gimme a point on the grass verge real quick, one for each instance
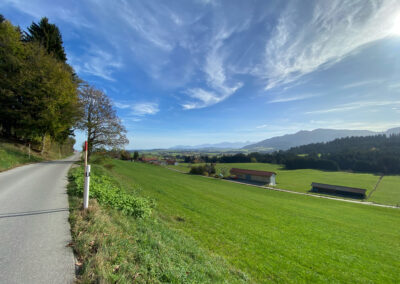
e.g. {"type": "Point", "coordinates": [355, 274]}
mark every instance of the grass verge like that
{"type": "Point", "coordinates": [13, 155]}
{"type": "Point", "coordinates": [116, 247]}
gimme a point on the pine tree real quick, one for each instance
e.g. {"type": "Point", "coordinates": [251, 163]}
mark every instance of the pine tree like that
{"type": "Point", "coordinates": [49, 36]}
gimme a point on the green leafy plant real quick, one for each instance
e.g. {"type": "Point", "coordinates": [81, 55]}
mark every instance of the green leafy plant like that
{"type": "Point", "coordinates": [109, 193]}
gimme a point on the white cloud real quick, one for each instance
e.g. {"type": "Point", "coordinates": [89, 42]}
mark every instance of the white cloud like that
{"type": "Point", "coordinates": [355, 105]}
{"type": "Point", "coordinates": [332, 30]}
{"type": "Point", "coordinates": [59, 12]}
{"type": "Point", "coordinates": [262, 126]}
{"type": "Point", "coordinates": [121, 105]}
{"type": "Point", "coordinates": [293, 98]}
{"type": "Point", "coordinates": [215, 72]}
{"type": "Point", "coordinates": [394, 86]}
{"type": "Point", "coordinates": [97, 63]}
{"type": "Point", "coordinates": [141, 109]}
{"type": "Point", "coordinates": [363, 83]}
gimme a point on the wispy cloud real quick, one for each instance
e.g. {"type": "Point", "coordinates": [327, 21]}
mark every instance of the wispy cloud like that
{"type": "Point", "coordinates": [333, 29]}
{"type": "Point", "coordinates": [262, 126]}
{"type": "Point", "coordinates": [146, 108]}
{"type": "Point", "coordinates": [284, 99]}
{"type": "Point", "coordinates": [61, 12]}
{"type": "Point", "coordinates": [215, 73]}
{"type": "Point", "coordinates": [137, 110]}
{"type": "Point", "coordinates": [362, 83]}
{"type": "Point", "coordinates": [355, 105]}
{"type": "Point", "coordinates": [121, 105]}
{"type": "Point", "coordinates": [96, 63]}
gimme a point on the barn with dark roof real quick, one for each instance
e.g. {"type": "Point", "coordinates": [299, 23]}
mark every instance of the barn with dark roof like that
{"type": "Point", "coordinates": [255, 176]}
{"type": "Point", "coordinates": [339, 190]}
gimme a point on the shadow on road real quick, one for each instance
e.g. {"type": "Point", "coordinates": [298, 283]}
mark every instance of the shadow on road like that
{"type": "Point", "coordinates": [29, 213]}
{"type": "Point", "coordinates": [59, 162]}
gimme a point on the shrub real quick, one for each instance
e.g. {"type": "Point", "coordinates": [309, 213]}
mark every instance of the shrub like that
{"type": "Point", "coordinates": [108, 192]}
{"type": "Point", "coordinates": [197, 170]}
{"type": "Point", "coordinates": [125, 155]}
{"type": "Point", "coordinates": [207, 169]}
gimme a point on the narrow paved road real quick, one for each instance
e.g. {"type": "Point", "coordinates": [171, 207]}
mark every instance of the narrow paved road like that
{"type": "Point", "coordinates": [34, 228]}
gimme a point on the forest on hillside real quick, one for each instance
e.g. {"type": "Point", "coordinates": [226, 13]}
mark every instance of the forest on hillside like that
{"type": "Point", "coordinates": [43, 100]}
{"type": "Point", "coordinates": [38, 89]}
{"type": "Point", "coordinates": [378, 154]}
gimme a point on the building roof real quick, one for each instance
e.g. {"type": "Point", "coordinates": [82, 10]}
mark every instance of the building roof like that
{"type": "Point", "coordinates": [145, 159]}
{"type": "Point", "coordinates": [339, 188]}
{"type": "Point", "coordinates": [236, 171]}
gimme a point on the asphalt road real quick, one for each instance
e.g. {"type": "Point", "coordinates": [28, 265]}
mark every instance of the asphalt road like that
{"type": "Point", "coordinates": [34, 227]}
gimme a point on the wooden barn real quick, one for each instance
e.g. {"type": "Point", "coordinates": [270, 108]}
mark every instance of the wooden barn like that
{"type": "Point", "coordinates": [256, 176]}
{"type": "Point", "coordinates": [339, 190]}
{"type": "Point", "coordinates": [171, 162]}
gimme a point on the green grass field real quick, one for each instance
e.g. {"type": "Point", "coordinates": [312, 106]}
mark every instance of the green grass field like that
{"type": "Point", "coordinates": [275, 236]}
{"type": "Point", "coordinates": [12, 155]}
{"type": "Point", "coordinates": [388, 191]}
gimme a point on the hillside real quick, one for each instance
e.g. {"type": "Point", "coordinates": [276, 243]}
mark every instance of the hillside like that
{"type": "Point", "coordinates": [304, 137]}
{"type": "Point", "coordinates": [13, 154]}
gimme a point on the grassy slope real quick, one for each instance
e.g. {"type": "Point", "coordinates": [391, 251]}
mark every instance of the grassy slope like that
{"type": "Point", "coordinates": [116, 248]}
{"type": "Point", "coordinates": [12, 155]}
{"type": "Point", "coordinates": [388, 191]}
{"type": "Point", "coordinates": [275, 236]}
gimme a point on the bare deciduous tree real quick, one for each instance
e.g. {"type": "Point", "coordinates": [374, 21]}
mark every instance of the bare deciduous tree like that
{"type": "Point", "coordinates": [99, 120]}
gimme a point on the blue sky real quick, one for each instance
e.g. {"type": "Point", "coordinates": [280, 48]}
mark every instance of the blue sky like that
{"type": "Point", "coordinates": [194, 72]}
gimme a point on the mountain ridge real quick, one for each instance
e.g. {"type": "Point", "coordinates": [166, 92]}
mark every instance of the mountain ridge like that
{"type": "Point", "coordinates": [220, 145]}
{"type": "Point", "coordinates": [304, 137]}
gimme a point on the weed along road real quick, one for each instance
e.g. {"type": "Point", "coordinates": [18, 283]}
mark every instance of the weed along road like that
{"type": "Point", "coordinates": [34, 228]}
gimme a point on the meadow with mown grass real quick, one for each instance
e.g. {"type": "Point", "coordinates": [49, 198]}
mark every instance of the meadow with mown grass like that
{"type": "Point", "coordinates": [387, 192]}
{"type": "Point", "coordinates": [273, 236]}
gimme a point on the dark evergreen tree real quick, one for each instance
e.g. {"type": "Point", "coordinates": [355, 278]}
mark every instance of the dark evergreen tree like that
{"type": "Point", "coordinates": [49, 36]}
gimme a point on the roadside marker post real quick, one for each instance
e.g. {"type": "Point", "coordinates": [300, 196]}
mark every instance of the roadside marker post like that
{"type": "Point", "coordinates": [86, 190]}
{"type": "Point", "coordinates": [87, 180]}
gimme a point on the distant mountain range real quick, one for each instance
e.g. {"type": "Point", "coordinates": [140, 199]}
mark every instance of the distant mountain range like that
{"type": "Point", "coordinates": [222, 145]}
{"type": "Point", "coordinates": [305, 137]}
{"type": "Point", "coordinates": [287, 141]}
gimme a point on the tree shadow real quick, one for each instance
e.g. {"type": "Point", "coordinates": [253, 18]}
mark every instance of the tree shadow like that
{"type": "Point", "coordinates": [59, 162]}
{"type": "Point", "coordinates": [257, 183]}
